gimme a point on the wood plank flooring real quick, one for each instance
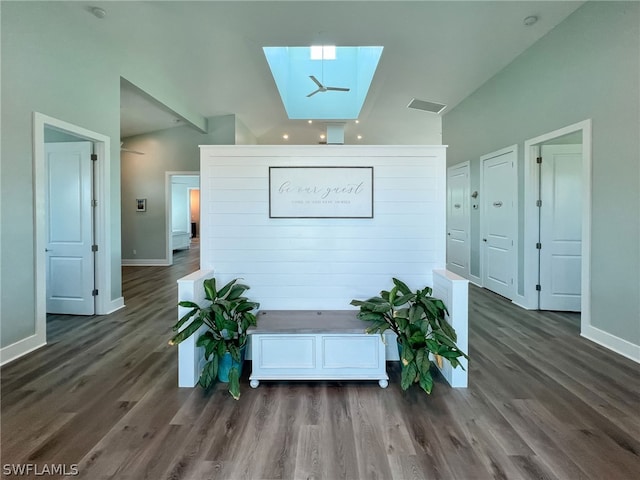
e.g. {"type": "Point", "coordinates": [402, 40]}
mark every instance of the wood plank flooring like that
{"type": "Point", "coordinates": [542, 403]}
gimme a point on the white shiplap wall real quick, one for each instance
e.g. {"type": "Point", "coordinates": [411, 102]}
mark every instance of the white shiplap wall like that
{"type": "Point", "coordinates": [322, 263]}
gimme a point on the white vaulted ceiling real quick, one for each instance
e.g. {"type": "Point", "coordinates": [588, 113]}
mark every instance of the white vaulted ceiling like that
{"type": "Point", "coordinates": [434, 51]}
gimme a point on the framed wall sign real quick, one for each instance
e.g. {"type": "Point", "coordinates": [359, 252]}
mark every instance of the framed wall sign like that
{"type": "Point", "coordinates": [321, 192]}
{"type": "Point", "coordinates": [141, 204]}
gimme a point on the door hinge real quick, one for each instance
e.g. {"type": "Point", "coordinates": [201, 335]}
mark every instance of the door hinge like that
{"type": "Point", "coordinates": [94, 157]}
{"type": "Point", "coordinates": [539, 160]}
{"type": "Point", "coordinates": [538, 203]}
{"type": "Point", "coordinates": [539, 246]}
{"type": "Point", "coordinates": [94, 203]}
{"type": "Point", "coordinates": [94, 248]}
{"type": "Point", "coordinates": [538, 288]}
{"type": "Point", "coordinates": [94, 292]}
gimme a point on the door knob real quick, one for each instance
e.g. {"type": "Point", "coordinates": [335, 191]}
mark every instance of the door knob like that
{"type": "Point", "coordinates": [484, 239]}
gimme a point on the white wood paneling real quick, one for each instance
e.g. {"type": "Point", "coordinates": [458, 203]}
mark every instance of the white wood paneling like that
{"type": "Point", "coordinates": [322, 263]}
{"type": "Point", "coordinates": [454, 291]}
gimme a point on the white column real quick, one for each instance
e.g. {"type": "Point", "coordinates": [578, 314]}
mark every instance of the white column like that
{"type": "Point", "coordinates": [453, 290]}
{"type": "Point", "coordinates": [190, 357]}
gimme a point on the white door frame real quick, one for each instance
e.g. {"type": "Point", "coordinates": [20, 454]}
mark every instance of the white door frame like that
{"type": "Point", "coordinates": [102, 215]}
{"type": "Point", "coordinates": [514, 230]}
{"type": "Point", "coordinates": [168, 209]}
{"type": "Point", "coordinates": [531, 217]}
{"type": "Point", "coordinates": [467, 166]}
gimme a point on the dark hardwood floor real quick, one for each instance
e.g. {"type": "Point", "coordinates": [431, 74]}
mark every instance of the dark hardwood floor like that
{"type": "Point", "coordinates": [542, 403]}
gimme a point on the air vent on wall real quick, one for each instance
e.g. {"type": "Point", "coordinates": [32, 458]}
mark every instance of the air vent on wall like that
{"type": "Point", "coordinates": [426, 106]}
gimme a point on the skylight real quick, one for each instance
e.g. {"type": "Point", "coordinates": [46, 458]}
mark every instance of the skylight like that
{"type": "Point", "coordinates": [323, 82]}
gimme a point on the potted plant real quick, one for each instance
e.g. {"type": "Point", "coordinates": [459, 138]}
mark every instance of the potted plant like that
{"type": "Point", "coordinates": [227, 315]}
{"type": "Point", "coordinates": [418, 320]}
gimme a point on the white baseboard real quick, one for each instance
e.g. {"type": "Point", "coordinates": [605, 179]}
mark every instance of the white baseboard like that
{"type": "Point", "coordinates": [613, 343]}
{"type": "Point", "coordinates": [115, 305]}
{"type": "Point", "coordinates": [21, 347]}
{"type": "Point", "coordinates": [521, 301]}
{"type": "Point", "coordinates": [145, 262]}
{"type": "Point", "coordinates": [475, 280]}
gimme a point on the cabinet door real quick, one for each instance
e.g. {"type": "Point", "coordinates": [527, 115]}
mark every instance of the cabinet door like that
{"type": "Point", "coordinates": [280, 352]}
{"type": "Point", "coordinates": [353, 352]}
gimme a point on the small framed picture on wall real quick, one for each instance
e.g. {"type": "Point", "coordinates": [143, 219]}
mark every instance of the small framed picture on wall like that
{"type": "Point", "coordinates": [141, 204]}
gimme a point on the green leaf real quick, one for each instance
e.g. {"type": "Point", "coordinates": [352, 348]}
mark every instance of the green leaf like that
{"type": "Point", "coordinates": [188, 304]}
{"type": "Point", "coordinates": [246, 306]}
{"type": "Point", "coordinates": [234, 351]}
{"type": "Point", "coordinates": [209, 342]}
{"type": "Point", "coordinates": [185, 317]}
{"type": "Point", "coordinates": [432, 345]}
{"type": "Point", "coordinates": [442, 338]}
{"type": "Point", "coordinates": [416, 334]}
{"type": "Point", "coordinates": [399, 301]}
{"type": "Point", "coordinates": [426, 382]}
{"type": "Point", "coordinates": [422, 360]}
{"type": "Point", "coordinates": [210, 289]}
{"type": "Point", "coordinates": [392, 295]}
{"type": "Point", "coordinates": [224, 290]}
{"type": "Point", "coordinates": [408, 354]}
{"type": "Point", "coordinates": [402, 287]}
{"type": "Point", "coordinates": [209, 373]}
{"type": "Point", "coordinates": [409, 373]}
{"type": "Point", "coordinates": [370, 316]}
{"type": "Point", "coordinates": [187, 332]}
{"type": "Point", "coordinates": [416, 313]}
{"type": "Point", "coordinates": [378, 326]}
{"type": "Point", "coordinates": [234, 382]}
{"type": "Point", "coordinates": [236, 291]}
{"type": "Point", "coordinates": [381, 307]}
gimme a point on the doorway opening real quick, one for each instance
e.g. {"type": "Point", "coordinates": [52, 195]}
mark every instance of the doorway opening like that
{"type": "Point", "coordinates": [182, 194]}
{"type": "Point", "coordinates": [45, 127]}
{"type": "Point", "coordinates": [557, 220]}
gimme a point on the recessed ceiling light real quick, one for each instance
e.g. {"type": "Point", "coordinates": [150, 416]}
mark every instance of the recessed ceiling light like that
{"type": "Point", "coordinates": [285, 136]}
{"type": "Point", "coordinates": [309, 121]}
{"type": "Point", "coordinates": [322, 136]}
{"type": "Point", "coordinates": [357, 121]}
{"type": "Point", "coordinates": [359, 137]}
{"type": "Point", "coordinates": [530, 20]}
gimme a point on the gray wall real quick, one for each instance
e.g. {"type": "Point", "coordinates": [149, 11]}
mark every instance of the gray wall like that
{"type": "Point", "coordinates": [56, 60]}
{"type": "Point", "coordinates": [143, 176]}
{"type": "Point", "coordinates": [587, 67]}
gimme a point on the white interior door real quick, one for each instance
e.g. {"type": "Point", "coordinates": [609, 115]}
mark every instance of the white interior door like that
{"type": "Point", "coordinates": [458, 204]}
{"type": "Point", "coordinates": [561, 227]}
{"type": "Point", "coordinates": [69, 226]}
{"type": "Point", "coordinates": [498, 218]}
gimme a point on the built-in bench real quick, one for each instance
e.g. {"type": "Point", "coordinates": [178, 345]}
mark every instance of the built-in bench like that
{"type": "Point", "coordinates": [315, 345]}
{"type": "Point", "coordinates": [317, 351]}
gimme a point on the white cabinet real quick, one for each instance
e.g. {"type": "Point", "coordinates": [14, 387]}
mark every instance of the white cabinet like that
{"type": "Point", "coordinates": [311, 345]}
{"type": "Point", "coordinates": [180, 240]}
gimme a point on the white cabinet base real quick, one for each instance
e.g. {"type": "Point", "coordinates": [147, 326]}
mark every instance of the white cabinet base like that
{"type": "Point", "coordinates": [310, 345]}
